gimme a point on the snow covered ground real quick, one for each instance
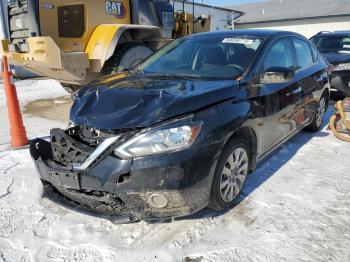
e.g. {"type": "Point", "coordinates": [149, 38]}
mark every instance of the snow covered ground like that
{"type": "Point", "coordinates": [295, 207]}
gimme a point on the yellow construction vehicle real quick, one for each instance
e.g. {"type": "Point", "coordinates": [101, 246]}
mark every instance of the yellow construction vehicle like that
{"type": "Point", "coordinates": [77, 41]}
{"type": "Point", "coordinates": [188, 23]}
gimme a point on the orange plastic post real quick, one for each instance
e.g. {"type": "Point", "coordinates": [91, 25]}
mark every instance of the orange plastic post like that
{"type": "Point", "coordinates": [17, 130]}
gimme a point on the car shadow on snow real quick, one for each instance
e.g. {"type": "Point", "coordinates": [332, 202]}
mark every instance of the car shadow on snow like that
{"type": "Point", "coordinates": [269, 166]}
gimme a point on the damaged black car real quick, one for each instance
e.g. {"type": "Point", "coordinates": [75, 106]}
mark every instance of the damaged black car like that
{"type": "Point", "coordinates": [182, 130]}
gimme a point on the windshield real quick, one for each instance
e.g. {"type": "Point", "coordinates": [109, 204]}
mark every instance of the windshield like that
{"type": "Point", "coordinates": [214, 57]}
{"type": "Point", "coordinates": [328, 44]}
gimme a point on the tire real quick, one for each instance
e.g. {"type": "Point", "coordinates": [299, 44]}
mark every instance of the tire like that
{"type": "Point", "coordinates": [126, 56]}
{"type": "Point", "coordinates": [316, 124]}
{"type": "Point", "coordinates": [227, 178]}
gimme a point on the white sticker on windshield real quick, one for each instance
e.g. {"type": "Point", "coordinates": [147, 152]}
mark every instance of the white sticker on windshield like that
{"type": "Point", "coordinates": [238, 41]}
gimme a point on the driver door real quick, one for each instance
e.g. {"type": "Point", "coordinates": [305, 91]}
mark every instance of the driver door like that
{"type": "Point", "coordinates": [279, 100]}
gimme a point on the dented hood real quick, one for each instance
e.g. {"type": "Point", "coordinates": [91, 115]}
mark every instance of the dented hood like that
{"type": "Point", "coordinates": [136, 102]}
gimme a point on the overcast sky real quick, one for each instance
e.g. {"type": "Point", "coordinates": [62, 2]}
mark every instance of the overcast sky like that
{"type": "Point", "coordinates": [227, 2]}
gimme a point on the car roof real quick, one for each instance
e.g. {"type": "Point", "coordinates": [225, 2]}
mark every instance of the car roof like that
{"type": "Point", "coordinates": [335, 33]}
{"type": "Point", "coordinates": [265, 33]}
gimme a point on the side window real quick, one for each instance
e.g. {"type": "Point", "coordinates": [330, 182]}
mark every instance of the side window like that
{"type": "Point", "coordinates": [280, 54]}
{"type": "Point", "coordinates": [303, 54]}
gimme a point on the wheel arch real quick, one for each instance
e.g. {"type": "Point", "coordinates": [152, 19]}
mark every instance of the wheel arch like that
{"type": "Point", "coordinates": [243, 133]}
{"type": "Point", "coordinates": [107, 37]}
{"type": "Point", "coordinates": [151, 36]}
{"type": "Point", "coordinates": [247, 134]}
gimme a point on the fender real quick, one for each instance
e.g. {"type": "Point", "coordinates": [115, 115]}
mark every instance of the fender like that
{"type": "Point", "coordinates": [106, 37]}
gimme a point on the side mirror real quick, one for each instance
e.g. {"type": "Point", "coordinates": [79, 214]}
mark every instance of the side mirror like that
{"type": "Point", "coordinates": [277, 75]}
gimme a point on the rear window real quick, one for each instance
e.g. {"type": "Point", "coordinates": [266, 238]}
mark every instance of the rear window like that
{"type": "Point", "coordinates": [332, 44]}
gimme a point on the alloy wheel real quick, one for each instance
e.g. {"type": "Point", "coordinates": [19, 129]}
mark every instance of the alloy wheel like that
{"type": "Point", "coordinates": [234, 174]}
{"type": "Point", "coordinates": [321, 110]}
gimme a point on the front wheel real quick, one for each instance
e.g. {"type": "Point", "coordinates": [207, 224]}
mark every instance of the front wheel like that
{"type": "Point", "coordinates": [230, 175]}
{"type": "Point", "coordinates": [316, 124]}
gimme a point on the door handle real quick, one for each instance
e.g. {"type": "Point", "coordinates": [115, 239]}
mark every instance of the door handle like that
{"type": "Point", "coordinates": [297, 91]}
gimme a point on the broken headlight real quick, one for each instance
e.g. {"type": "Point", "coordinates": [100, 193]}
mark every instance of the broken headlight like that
{"type": "Point", "coordinates": [169, 138]}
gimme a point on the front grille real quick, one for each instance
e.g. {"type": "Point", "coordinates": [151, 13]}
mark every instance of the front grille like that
{"type": "Point", "coordinates": [71, 21]}
{"type": "Point", "coordinates": [66, 150]}
{"type": "Point", "coordinates": [23, 22]}
{"type": "Point", "coordinates": [76, 144]}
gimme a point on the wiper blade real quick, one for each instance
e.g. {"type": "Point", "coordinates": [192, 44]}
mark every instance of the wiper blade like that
{"type": "Point", "coordinates": [177, 76]}
{"type": "Point", "coordinates": [137, 71]}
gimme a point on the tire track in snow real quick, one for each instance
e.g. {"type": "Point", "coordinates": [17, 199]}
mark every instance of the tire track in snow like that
{"type": "Point", "coordinates": [8, 191]}
{"type": "Point", "coordinates": [10, 167]}
{"type": "Point", "coordinates": [178, 233]}
{"type": "Point", "coordinates": [11, 252]}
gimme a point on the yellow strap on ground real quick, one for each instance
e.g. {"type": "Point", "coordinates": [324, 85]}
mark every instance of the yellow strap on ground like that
{"type": "Point", "coordinates": [332, 123]}
{"type": "Point", "coordinates": [342, 115]}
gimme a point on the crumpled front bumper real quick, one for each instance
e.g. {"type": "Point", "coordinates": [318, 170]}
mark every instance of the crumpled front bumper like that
{"type": "Point", "coordinates": [146, 188]}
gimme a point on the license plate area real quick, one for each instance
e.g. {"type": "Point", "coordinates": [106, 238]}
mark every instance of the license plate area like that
{"type": "Point", "coordinates": [64, 179]}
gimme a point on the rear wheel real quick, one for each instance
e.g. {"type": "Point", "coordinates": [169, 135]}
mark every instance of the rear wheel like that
{"type": "Point", "coordinates": [316, 124]}
{"type": "Point", "coordinates": [126, 56]}
{"type": "Point", "coordinates": [230, 175]}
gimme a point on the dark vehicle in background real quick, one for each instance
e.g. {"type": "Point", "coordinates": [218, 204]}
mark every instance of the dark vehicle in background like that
{"type": "Point", "coordinates": [335, 47]}
{"type": "Point", "coordinates": [183, 129]}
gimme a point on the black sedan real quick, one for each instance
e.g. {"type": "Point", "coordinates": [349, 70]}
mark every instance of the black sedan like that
{"type": "Point", "coordinates": [182, 130]}
{"type": "Point", "coordinates": [335, 47]}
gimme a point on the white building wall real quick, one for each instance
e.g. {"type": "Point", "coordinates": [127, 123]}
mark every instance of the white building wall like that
{"type": "Point", "coordinates": [307, 27]}
{"type": "Point", "coordinates": [219, 17]}
{"type": "Point", "coordinates": [1, 27]}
